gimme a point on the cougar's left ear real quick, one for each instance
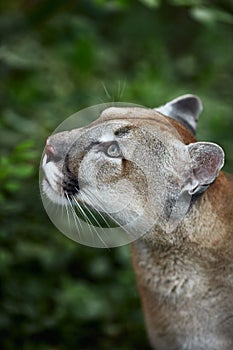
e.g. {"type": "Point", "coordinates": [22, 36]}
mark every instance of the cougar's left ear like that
{"type": "Point", "coordinates": [185, 109]}
{"type": "Point", "coordinates": [207, 159]}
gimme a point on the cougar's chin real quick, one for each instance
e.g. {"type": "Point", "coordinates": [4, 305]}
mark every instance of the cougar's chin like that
{"type": "Point", "coordinates": [52, 182]}
{"type": "Point", "coordinates": [52, 194]}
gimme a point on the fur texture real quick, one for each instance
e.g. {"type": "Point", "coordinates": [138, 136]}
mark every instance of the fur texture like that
{"type": "Point", "coordinates": [146, 168]}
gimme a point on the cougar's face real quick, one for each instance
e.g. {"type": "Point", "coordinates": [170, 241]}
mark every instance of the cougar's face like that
{"type": "Point", "coordinates": [125, 166]}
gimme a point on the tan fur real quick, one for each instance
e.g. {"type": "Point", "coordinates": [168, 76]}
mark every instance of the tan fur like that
{"type": "Point", "coordinates": [184, 274]}
{"type": "Point", "coordinates": [186, 287]}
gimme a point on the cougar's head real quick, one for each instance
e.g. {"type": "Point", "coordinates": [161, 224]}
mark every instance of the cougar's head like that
{"type": "Point", "coordinates": [133, 168]}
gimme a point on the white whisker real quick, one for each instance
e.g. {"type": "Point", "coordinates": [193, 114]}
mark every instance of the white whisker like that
{"type": "Point", "coordinates": [121, 89]}
{"type": "Point", "coordinates": [90, 194]}
{"type": "Point", "coordinates": [67, 210]}
{"type": "Point", "coordinates": [83, 194]}
{"type": "Point", "coordinates": [76, 218]}
{"type": "Point", "coordinates": [88, 221]}
{"type": "Point", "coordinates": [105, 90]}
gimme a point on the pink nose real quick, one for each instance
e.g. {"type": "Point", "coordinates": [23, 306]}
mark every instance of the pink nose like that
{"type": "Point", "coordinates": [50, 152]}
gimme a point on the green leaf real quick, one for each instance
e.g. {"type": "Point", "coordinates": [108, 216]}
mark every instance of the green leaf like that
{"type": "Point", "coordinates": [25, 145]}
{"type": "Point", "coordinates": [22, 171]}
{"type": "Point", "coordinates": [211, 15]}
{"type": "Point", "coordinates": [151, 3]}
{"type": "Point", "coordinates": [4, 167]}
{"type": "Point", "coordinates": [188, 2]}
{"type": "Point", "coordinates": [12, 186]}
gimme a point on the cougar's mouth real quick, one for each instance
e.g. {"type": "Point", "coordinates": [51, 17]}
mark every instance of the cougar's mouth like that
{"type": "Point", "coordinates": [56, 186]}
{"type": "Point", "coordinates": [63, 189]}
{"type": "Point", "coordinates": [52, 181]}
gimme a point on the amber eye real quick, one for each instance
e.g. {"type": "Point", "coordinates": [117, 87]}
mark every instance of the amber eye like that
{"type": "Point", "coordinates": [113, 150]}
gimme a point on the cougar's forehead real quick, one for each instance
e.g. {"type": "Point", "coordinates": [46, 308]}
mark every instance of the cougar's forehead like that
{"type": "Point", "coordinates": [114, 122]}
{"type": "Point", "coordinates": [141, 118]}
{"type": "Point", "coordinates": [130, 113]}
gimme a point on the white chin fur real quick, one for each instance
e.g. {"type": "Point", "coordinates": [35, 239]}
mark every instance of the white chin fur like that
{"type": "Point", "coordinates": [51, 187]}
{"type": "Point", "coordinates": [53, 195]}
{"type": "Point", "coordinates": [52, 173]}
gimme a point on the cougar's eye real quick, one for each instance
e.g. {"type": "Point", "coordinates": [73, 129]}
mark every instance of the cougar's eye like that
{"type": "Point", "coordinates": [113, 150]}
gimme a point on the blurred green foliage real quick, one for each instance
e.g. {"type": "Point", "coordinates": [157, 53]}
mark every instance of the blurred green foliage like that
{"type": "Point", "coordinates": [57, 58]}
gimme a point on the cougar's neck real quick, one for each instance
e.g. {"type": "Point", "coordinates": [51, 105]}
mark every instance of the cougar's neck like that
{"type": "Point", "coordinates": [207, 225]}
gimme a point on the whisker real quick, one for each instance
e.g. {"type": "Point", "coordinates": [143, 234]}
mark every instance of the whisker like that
{"type": "Point", "coordinates": [67, 210]}
{"type": "Point", "coordinates": [105, 90]}
{"type": "Point", "coordinates": [99, 212]}
{"type": "Point", "coordinates": [93, 216]}
{"type": "Point", "coordinates": [121, 90]}
{"type": "Point", "coordinates": [76, 218]}
{"type": "Point", "coordinates": [81, 210]}
{"type": "Point", "coordinates": [89, 223]}
{"type": "Point", "coordinates": [62, 208]}
{"type": "Point", "coordinates": [88, 193]}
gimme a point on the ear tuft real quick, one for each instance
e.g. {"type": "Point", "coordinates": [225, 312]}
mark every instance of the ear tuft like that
{"type": "Point", "coordinates": [184, 109]}
{"type": "Point", "coordinates": [207, 160]}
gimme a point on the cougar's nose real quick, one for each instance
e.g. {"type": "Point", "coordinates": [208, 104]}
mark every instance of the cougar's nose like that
{"type": "Point", "coordinates": [51, 153]}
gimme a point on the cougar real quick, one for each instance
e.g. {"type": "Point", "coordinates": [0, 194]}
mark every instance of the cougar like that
{"type": "Point", "coordinates": [144, 169]}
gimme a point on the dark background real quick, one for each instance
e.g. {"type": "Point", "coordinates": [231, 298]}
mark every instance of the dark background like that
{"type": "Point", "coordinates": [57, 57]}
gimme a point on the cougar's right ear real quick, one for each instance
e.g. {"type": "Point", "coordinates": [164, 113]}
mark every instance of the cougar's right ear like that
{"type": "Point", "coordinates": [207, 159]}
{"type": "Point", "coordinates": [184, 109]}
